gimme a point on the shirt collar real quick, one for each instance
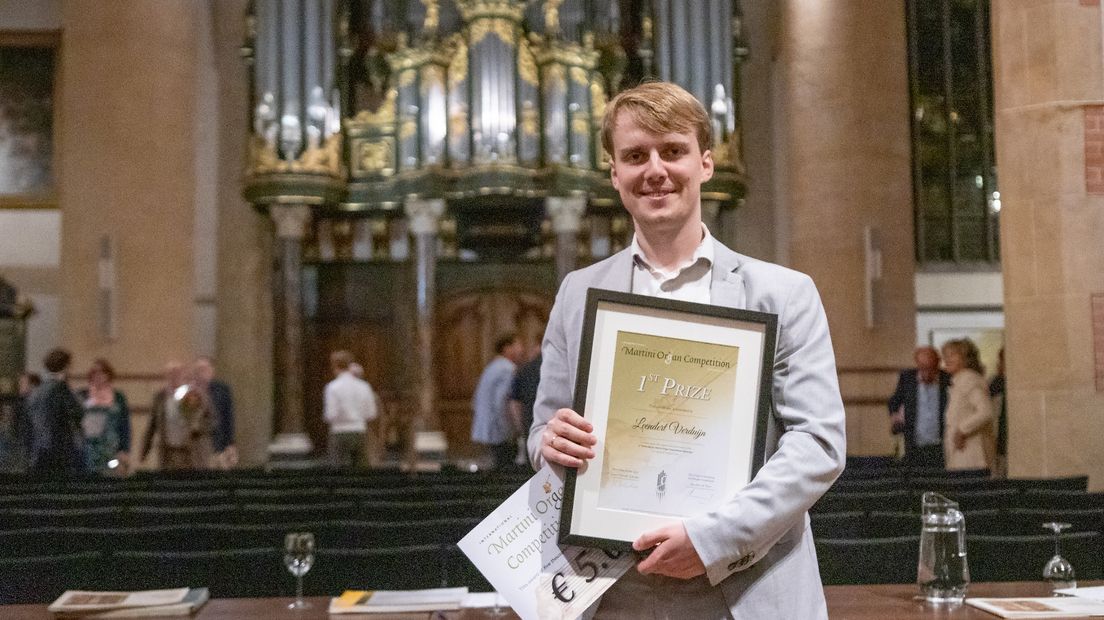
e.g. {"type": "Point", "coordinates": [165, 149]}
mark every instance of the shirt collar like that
{"type": "Point", "coordinates": [703, 251]}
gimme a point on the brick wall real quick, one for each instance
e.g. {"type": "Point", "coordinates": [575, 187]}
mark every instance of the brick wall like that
{"type": "Point", "coordinates": [1094, 149]}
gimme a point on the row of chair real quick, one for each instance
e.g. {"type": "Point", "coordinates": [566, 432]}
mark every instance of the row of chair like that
{"type": "Point", "coordinates": [329, 534]}
{"type": "Point", "coordinates": [298, 496]}
{"type": "Point", "coordinates": [888, 524]}
{"type": "Point", "coordinates": [13, 519]}
{"type": "Point", "coordinates": [989, 557]}
{"type": "Point", "coordinates": [254, 479]}
{"type": "Point", "coordinates": [119, 508]}
{"type": "Point", "coordinates": [236, 572]}
{"type": "Point", "coordinates": [906, 500]}
{"type": "Point", "coordinates": [867, 526]}
{"type": "Point", "coordinates": [953, 484]}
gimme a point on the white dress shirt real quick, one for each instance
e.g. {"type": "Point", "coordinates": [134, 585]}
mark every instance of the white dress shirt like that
{"type": "Point", "coordinates": [349, 404]}
{"type": "Point", "coordinates": [687, 282]}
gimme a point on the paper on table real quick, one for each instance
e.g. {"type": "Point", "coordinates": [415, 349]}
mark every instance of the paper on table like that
{"type": "Point", "coordinates": [189, 604]}
{"type": "Point", "coordinates": [1095, 593]}
{"type": "Point", "coordinates": [516, 550]}
{"type": "Point", "coordinates": [83, 600]}
{"type": "Point", "coordinates": [483, 599]}
{"type": "Point", "coordinates": [1039, 607]}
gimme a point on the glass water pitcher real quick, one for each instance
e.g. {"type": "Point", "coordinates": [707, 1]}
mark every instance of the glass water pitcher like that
{"type": "Point", "coordinates": [942, 572]}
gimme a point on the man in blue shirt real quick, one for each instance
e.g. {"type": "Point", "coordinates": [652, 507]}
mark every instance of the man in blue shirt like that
{"type": "Point", "coordinates": [492, 425]}
{"type": "Point", "coordinates": [917, 408]}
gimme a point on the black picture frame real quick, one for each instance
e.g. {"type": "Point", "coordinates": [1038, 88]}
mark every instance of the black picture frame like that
{"type": "Point", "coordinates": [752, 325]}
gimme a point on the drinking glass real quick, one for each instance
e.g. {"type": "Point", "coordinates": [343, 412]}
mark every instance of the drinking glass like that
{"type": "Point", "coordinates": [1058, 572]}
{"type": "Point", "coordinates": [298, 558]}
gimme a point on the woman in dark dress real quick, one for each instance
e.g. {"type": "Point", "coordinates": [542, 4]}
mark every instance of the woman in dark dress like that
{"type": "Point", "coordinates": [106, 423]}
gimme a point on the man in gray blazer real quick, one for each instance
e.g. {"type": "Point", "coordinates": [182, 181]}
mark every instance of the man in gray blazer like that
{"type": "Point", "coordinates": [753, 557]}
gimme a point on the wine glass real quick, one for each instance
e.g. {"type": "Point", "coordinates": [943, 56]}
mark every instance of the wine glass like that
{"type": "Point", "coordinates": [298, 558]}
{"type": "Point", "coordinates": [1058, 572]}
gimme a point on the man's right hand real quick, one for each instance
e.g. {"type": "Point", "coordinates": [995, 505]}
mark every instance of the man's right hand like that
{"type": "Point", "coordinates": [568, 439]}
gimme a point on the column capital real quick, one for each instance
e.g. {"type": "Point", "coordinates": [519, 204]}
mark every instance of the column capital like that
{"type": "Point", "coordinates": [566, 212]}
{"type": "Point", "coordinates": [291, 220]}
{"type": "Point", "coordinates": [424, 215]}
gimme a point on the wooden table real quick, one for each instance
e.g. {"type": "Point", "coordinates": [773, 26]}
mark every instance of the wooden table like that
{"type": "Point", "coordinates": [881, 602]}
{"type": "Point", "coordinates": [270, 609]}
{"type": "Point", "coordinates": [900, 602]}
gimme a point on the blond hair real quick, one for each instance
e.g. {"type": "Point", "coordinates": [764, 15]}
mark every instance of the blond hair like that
{"type": "Point", "coordinates": [968, 351]}
{"type": "Point", "coordinates": [659, 107]}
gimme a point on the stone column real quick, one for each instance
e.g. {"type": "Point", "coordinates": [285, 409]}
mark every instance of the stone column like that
{"type": "Point", "coordinates": [291, 441]}
{"type": "Point", "coordinates": [1048, 85]}
{"type": "Point", "coordinates": [567, 219]}
{"type": "Point", "coordinates": [424, 217]}
{"type": "Point", "coordinates": [847, 168]}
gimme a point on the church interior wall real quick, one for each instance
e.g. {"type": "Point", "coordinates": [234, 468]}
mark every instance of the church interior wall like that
{"type": "Point", "coordinates": [754, 220]}
{"type": "Point", "coordinates": [30, 238]}
{"type": "Point", "coordinates": [243, 329]}
{"type": "Point", "coordinates": [1049, 89]}
{"type": "Point", "coordinates": [195, 260]}
{"type": "Point", "coordinates": [846, 167]}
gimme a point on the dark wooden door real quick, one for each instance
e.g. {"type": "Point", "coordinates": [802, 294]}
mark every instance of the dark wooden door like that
{"type": "Point", "coordinates": [467, 325]}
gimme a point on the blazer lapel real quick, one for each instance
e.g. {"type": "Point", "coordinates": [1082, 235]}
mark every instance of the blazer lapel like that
{"type": "Point", "coordinates": [727, 286]}
{"type": "Point", "coordinates": [618, 275]}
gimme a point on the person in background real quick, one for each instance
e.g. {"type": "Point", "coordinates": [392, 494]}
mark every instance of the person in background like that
{"type": "Point", "coordinates": [184, 422]}
{"type": "Point", "coordinates": [999, 397]}
{"type": "Point", "coordinates": [222, 400]}
{"type": "Point", "coordinates": [349, 405]}
{"type": "Point", "coordinates": [28, 381]}
{"type": "Point", "coordinates": [55, 413]}
{"type": "Point", "coordinates": [523, 395]}
{"type": "Point", "coordinates": [15, 426]}
{"type": "Point", "coordinates": [917, 409]}
{"type": "Point", "coordinates": [491, 422]}
{"type": "Point", "coordinates": [105, 423]}
{"type": "Point", "coordinates": [969, 440]}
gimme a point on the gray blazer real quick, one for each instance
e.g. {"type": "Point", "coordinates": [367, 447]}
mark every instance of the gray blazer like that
{"type": "Point", "coordinates": [758, 546]}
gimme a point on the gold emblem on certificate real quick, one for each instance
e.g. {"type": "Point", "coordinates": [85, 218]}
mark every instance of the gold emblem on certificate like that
{"type": "Point", "coordinates": [665, 427]}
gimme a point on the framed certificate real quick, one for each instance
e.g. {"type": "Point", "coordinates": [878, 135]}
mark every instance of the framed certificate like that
{"type": "Point", "coordinates": [679, 395]}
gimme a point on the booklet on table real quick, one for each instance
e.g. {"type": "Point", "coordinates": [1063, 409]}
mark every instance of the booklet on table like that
{"type": "Point", "coordinates": [1040, 607]}
{"type": "Point", "coordinates": [397, 601]}
{"type": "Point", "coordinates": [138, 604]}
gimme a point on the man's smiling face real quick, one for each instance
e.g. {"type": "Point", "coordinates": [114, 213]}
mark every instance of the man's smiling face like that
{"type": "Point", "coordinates": [659, 176]}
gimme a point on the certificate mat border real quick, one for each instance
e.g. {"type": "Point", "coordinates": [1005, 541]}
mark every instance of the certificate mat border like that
{"type": "Point", "coordinates": [597, 296]}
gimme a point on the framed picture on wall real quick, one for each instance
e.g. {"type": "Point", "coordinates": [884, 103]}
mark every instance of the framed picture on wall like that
{"type": "Point", "coordinates": [28, 68]}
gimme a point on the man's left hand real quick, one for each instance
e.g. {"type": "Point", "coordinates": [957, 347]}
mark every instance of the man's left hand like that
{"type": "Point", "coordinates": [673, 555]}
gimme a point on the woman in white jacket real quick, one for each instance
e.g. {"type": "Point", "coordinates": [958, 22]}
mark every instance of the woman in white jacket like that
{"type": "Point", "coordinates": [969, 436]}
